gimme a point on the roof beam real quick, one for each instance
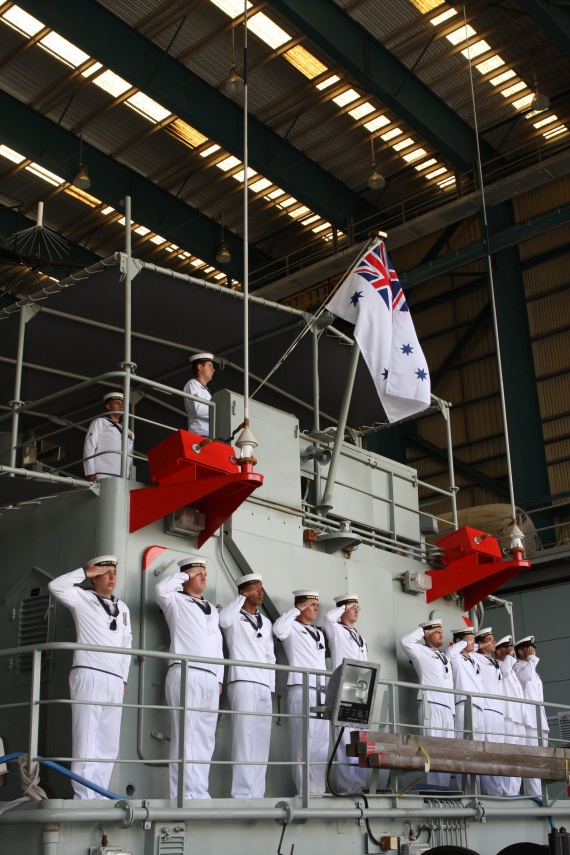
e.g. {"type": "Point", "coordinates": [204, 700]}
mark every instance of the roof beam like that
{"type": "Point", "coordinates": [110, 40]}
{"type": "Point", "coordinates": [41, 140]}
{"type": "Point", "coordinates": [384, 77]}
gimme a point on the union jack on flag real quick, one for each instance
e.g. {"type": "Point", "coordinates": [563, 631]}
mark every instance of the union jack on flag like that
{"type": "Point", "coordinates": [385, 333]}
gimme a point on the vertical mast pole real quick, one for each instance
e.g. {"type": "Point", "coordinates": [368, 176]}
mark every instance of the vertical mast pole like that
{"type": "Point", "coordinates": [127, 364]}
{"type": "Point", "coordinates": [245, 229]}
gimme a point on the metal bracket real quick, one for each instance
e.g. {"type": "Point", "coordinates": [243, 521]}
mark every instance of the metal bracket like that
{"type": "Point", "coordinates": [360, 805]}
{"type": "Point", "coordinates": [284, 822]}
{"type": "Point", "coordinates": [127, 821]}
{"type": "Point", "coordinates": [146, 823]}
{"type": "Point", "coordinates": [130, 265]}
{"type": "Point", "coordinates": [479, 811]}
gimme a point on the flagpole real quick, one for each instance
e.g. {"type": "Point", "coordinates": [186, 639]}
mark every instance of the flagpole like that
{"type": "Point", "coordinates": [326, 503]}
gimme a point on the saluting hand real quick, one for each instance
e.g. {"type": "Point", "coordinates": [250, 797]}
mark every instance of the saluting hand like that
{"type": "Point", "coordinates": [97, 570]}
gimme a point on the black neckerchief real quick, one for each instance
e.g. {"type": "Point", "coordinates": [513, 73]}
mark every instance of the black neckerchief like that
{"type": "Point", "coordinates": [315, 635]}
{"type": "Point", "coordinates": [495, 665]}
{"type": "Point", "coordinates": [256, 625]}
{"type": "Point", "coordinates": [470, 659]}
{"type": "Point", "coordinates": [204, 604]}
{"type": "Point", "coordinates": [442, 658]}
{"type": "Point", "coordinates": [114, 614]}
{"type": "Point", "coordinates": [118, 425]}
{"type": "Point", "coordinates": [354, 634]}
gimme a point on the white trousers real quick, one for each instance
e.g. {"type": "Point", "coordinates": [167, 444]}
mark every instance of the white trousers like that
{"type": "Point", "coordinates": [533, 786]}
{"type": "Point", "coordinates": [349, 777]}
{"type": "Point", "coordinates": [95, 729]}
{"type": "Point", "coordinates": [250, 738]}
{"type": "Point", "coordinates": [478, 736]}
{"type": "Point", "coordinates": [515, 734]}
{"type": "Point", "coordinates": [493, 785]}
{"type": "Point", "coordinates": [440, 720]}
{"type": "Point", "coordinates": [318, 741]}
{"type": "Point", "coordinates": [204, 693]}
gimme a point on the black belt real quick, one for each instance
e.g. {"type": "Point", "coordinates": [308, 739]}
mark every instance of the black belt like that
{"type": "Point", "coordinates": [89, 668]}
{"type": "Point", "coordinates": [194, 668]}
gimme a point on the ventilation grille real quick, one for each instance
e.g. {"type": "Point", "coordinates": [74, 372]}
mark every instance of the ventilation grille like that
{"type": "Point", "coordinates": [564, 725]}
{"type": "Point", "coordinates": [33, 627]}
{"type": "Point", "coordinates": [171, 844]}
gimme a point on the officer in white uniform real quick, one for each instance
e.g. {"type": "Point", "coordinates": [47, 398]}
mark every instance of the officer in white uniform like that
{"type": "Point", "coordinates": [345, 642]}
{"type": "Point", "coordinates": [96, 678]}
{"type": "Point", "coordinates": [203, 370]}
{"type": "Point", "coordinates": [525, 669]}
{"type": "Point", "coordinates": [305, 648]}
{"type": "Point", "coordinates": [467, 676]}
{"type": "Point", "coordinates": [493, 710]}
{"type": "Point", "coordinates": [194, 630]}
{"type": "Point", "coordinates": [433, 669]}
{"type": "Point", "coordinates": [515, 730]}
{"type": "Point", "coordinates": [249, 638]}
{"type": "Point", "coordinates": [103, 443]}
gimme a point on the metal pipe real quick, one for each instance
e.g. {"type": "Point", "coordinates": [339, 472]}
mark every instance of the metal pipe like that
{"type": "Point", "coordinates": [16, 402]}
{"type": "Point", "coordinates": [444, 409]}
{"type": "Point", "coordinates": [245, 227]}
{"type": "Point", "coordinates": [326, 504]}
{"type": "Point", "coordinates": [127, 364]}
{"type": "Point", "coordinates": [47, 476]}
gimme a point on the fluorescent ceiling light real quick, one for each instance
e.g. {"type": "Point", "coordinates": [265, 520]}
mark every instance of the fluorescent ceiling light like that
{"type": "Point", "coordinates": [334, 78]}
{"type": "Point", "coordinates": [461, 35]}
{"type": "Point", "coordinates": [377, 123]}
{"type": "Point", "coordinates": [445, 16]}
{"type": "Point", "coordinates": [268, 31]}
{"type": "Point", "coordinates": [11, 154]}
{"type": "Point", "coordinates": [362, 110]}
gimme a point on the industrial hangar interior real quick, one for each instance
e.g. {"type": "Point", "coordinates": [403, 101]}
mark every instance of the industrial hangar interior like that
{"type": "Point", "coordinates": [445, 126]}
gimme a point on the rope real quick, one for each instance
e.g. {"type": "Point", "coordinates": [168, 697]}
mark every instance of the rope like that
{"type": "Point", "coordinates": [422, 749]}
{"type": "Point", "coordinates": [30, 787]}
{"type": "Point", "coordinates": [557, 748]}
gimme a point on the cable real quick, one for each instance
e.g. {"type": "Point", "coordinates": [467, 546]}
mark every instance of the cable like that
{"type": "Point", "coordinates": [329, 765]}
{"type": "Point", "coordinates": [51, 764]}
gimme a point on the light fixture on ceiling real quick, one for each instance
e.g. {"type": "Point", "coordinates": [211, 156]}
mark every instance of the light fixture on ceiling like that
{"type": "Point", "coordinates": [235, 84]}
{"type": "Point", "coordinates": [540, 102]}
{"type": "Point", "coordinates": [376, 181]}
{"type": "Point", "coordinates": [81, 180]}
{"type": "Point", "coordinates": [223, 255]}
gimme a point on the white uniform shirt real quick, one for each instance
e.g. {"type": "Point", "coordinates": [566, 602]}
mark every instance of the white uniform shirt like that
{"type": "Point", "coordinates": [432, 667]}
{"type": "Point", "coordinates": [492, 681]}
{"type": "Point", "coordinates": [249, 638]}
{"type": "Point", "coordinates": [466, 673]}
{"type": "Point", "coordinates": [93, 625]}
{"type": "Point", "coordinates": [192, 631]}
{"type": "Point", "coordinates": [512, 688]}
{"type": "Point", "coordinates": [304, 646]}
{"type": "Point", "coordinates": [104, 439]}
{"type": "Point", "coordinates": [344, 643]}
{"type": "Point", "coordinates": [198, 414]}
{"type": "Point", "coordinates": [532, 688]}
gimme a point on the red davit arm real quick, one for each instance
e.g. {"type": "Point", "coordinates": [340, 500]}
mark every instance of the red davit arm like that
{"type": "Point", "coordinates": [207, 477]}
{"type": "Point", "coordinates": [473, 562]}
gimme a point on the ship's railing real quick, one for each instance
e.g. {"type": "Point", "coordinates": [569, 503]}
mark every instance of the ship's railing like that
{"type": "Point", "coordinates": [110, 380]}
{"type": "Point", "coordinates": [392, 718]}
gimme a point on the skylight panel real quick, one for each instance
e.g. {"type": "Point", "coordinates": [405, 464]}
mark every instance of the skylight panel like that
{"type": "Point", "coordinates": [321, 228]}
{"type": "Point", "coordinates": [461, 35]}
{"type": "Point", "coordinates": [158, 240]}
{"type": "Point", "coordinates": [346, 98]}
{"type": "Point", "coordinates": [476, 49]}
{"type": "Point", "coordinates": [210, 150]}
{"type": "Point", "coordinates": [10, 154]}
{"type": "Point", "coordinates": [82, 196]}
{"type": "Point", "coordinates": [447, 182]}
{"type": "Point", "coordinates": [414, 155]}
{"type": "Point", "coordinates": [490, 64]}
{"type": "Point", "coordinates": [45, 174]}
{"type": "Point", "coordinates": [186, 133]}
{"type": "Point", "coordinates": [523, 102]}
{"type": "Point", "coordinates": [87, 72]}
{"type": "Point", "coordinates": [516, 87]}
{"type": "Point", "coordinates": [228, 163]}
{"type": "Point", "coordinates": [389, 135]}
{"type": "Point", "coordinates": [149, 108]}
{"type": "Point", "coordinates": [275, 193]}
{"type": "Point", "coordinates": [22, 22]}
{"type": "Point", "coordinates": [197, 262]}
{"type": "Point", "coordinates": [142, 230]}
{"type": "Point", "coordinates": [64, 50]}
{"type": "Point", "coordinates": [362, 110]}
{"type": "Point", "coordinates": [444, 16]}
{"type": "Point", "coordinates": [304, 61]}
{"type": "Point", "coordinates": [403, 144]}
{"type": "Point", "coordinates": [286, 202]}
{"type": "Point", "coordinates": [107, 210]}
{"type": "Point", "coordinates": [233, 8]}
{"type": "Point", "coordinates": [259, 185]}
{"type": "Point", "coordinates": [501, 78]}
{"type": "Point", "coordinates": [541, 124]}
{"type": "Point", "coordinates": [268, 31]}
{"type": "Point", "coordinates": [298, 212]}
{"type": "Point", "coordinates": [554, 132]}
{"type": "Point", "coordinates": [220, 276]}
{"type": "Point", "coordinates": [209, 269]}
{"type": "Point", "coordinates": [425, 164]}
{"type": "Point", "coordinates": [334, 78]}
{"type": "Point", "coordinates": [377, 123]}
{"type": "Point", "coordinates": [251, 173]}
{"type": "Point", "coordinates": [424, 6]}
{"type": "Point", "coordinates": [310, 220]}
{"type": "Point", "coordinates": [112, 83]}
{"type": "Point", "coordinates": [436, 172]}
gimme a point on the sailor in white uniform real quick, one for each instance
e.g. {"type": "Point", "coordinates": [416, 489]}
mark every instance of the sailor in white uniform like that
{"type": "Point", "coordinates": [525, 669]}
{"type": "Point", "coordinates": [493, 710]}
{"type": "Point", "coordinates": [194, 630]}
{"type": "Point", "coordinates": [305, 648]}
{"type": "Point", "coordinates": [96, 678]}
{"type": "Point", "coordinates": [515, 730]}
{"type": "Point", "coordinates": [345, 642]}
{"type": "Point", "coordinates": [467, 676]}
{"type": "Point", "coordinates": [433, 669]}
{"type": "Point", "coordinates": [203, 370]}
{"type": "Point", "coordinates": [249, 638]}
{"type": "Point", "coordinates": [103, 443]}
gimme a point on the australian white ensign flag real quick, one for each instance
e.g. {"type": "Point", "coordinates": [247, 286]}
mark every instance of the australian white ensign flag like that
{"type": "Point", "coordinates": [372, 299]}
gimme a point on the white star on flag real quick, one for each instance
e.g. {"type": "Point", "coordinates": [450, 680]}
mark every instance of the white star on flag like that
{"type": "Point", "coordinates": [372, 299]}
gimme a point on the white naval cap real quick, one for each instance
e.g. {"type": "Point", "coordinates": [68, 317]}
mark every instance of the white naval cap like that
{"type": "Point", "coordinates": [346, 599]}
{"type": "Point", "coordinates": [465, 630]}
{"type": "Point", "coordinates": [248, 579]}
{"type": "Point", "coordinates": [431, 624]}
{"type": "Point", "coordinates": [506, 641]}
{"type": "Point", "coordinates": [527, 641]}
{"type": "Point", "coordinates": [111, 396]}
{"type": "Point", "coordinates": [202, 357]}
{"type": "Point", "coordinates": [306, 594]}
{"type": "Point", "coordinates": [483, 633]}
{"type": "Point", "coordinates": [103, 561]}
{"type": "Point", "coordinates": [191, 561]}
